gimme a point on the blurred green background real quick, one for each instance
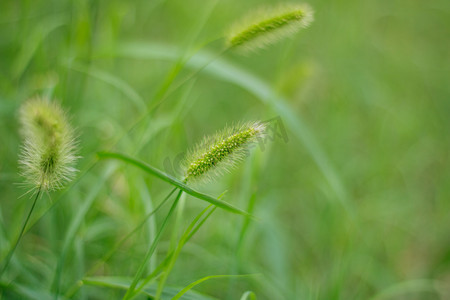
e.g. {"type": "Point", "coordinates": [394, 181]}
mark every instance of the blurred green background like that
{"type": "Point", "coordinates": [355, 205]}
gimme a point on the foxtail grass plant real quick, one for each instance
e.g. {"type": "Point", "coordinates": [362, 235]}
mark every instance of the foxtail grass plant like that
{"type": "Point", "coordinates": [268, 25]}
{"type": "Point", "coordinates": [48, 155]}
{"type": "Point", "coordinates": [48, 152]}
{"type": "Point", "coordinates": [212, 157]}
{"type": "Point", "coordinates": [259, 29]}
{"type": "Point", "coordinates": [220, 152]}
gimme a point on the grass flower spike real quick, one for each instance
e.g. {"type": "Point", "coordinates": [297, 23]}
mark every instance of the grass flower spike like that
{"type": "Point", "coordinates": [218, 153]}
{"type": "Point", "coordinates": [267, 26]}
{"type": "Point", "coordinates": [48, 153]}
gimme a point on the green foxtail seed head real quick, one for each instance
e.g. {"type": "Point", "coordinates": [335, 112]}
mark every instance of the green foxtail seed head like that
{"type": "Point", "coordinates": [48, 152]}
{"type": "Point", "coordinates": [220, 152]}
{"type": "Point", "coordinates": [268, 25]}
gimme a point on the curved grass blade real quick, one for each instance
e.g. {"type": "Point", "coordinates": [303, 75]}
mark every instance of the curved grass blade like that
{"type": "Point", "coordinates": [33, 41]}
{"type": "Point", "coordinates": [112, 80]}
{"type": "Point", "coordinates": [248, 295]}
{"type": "Point", "coordinates": [190, 286]}
{"type": "Point", "coordinates": [124, 282]}
{"type": "Point", "coordinates": [175, 182]}
{"type": "Point", "coordinates": [410, 287]}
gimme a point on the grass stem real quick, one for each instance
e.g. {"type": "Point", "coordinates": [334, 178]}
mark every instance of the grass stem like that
{"type": "Point", "coordinates": [72, 290]}
{"type": "Point", "coordinates": [13, 249]}
{"type": "Point", "coordinates": [130, 292]}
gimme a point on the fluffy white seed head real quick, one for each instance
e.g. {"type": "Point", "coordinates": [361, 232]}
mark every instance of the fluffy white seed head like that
{"type": "Point", "coordinates": [48, 151]}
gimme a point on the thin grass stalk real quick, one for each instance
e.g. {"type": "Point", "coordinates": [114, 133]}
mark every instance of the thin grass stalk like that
{"type": "Point", "coordinates": [73, 289]}
{"type": "Point", "coordinates": [197, 282]}
{"type": "Point", "coordinates": [158, 270]}
{"type": "Point", "coordinates": [188, 233]}
{"type": "Point", "coordinates": [130, 292]}
{"type": "Point", "coordinates": [13, 249]}
{"type": "Point", "coordinates": [74, 226]}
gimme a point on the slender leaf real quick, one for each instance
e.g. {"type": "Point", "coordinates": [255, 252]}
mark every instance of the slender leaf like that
{"type": "Point", "coordinates": [409, 287]}
{"type": "Point", "coordinates": [130, 292]}
{"type": "Point", "coordinates": [112, 80]}
{"type": "Point", "coordinates": [75, 225]}
{"type": "Point", "coordinates": [168, 178]}
{"type": "Point", "coordinates": [190, 286]}
{"type": "Point", "coordinates": [123, 283]}
{"type": "Point", "coordinates": [75, 287]}
{"type": "Point", "coordinates": [187, 234]}
{"type": "Point", "coordinates": [248, 295]}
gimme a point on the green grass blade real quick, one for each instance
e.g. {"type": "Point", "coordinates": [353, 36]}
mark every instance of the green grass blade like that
{"type": "Point", "coordinates": [123, 283]}
{"type": "Point", "coordinates": [75, 225]}
{"type": "Point", "coordinates": [131, 290]}
{"type": "Point", "coordinates": [169, 256]}
{"type": "Point", "coordinates": [114, 249]}
{"type": "Point", "coordinates": [150, 218]}
{"type": "Point", "coordinates": [23, 291]}
{"type": "Point", "coordinates": [190, 286]}
{"type": "Point", "coordinates": [408, 288]}
{"type": "Point", "coordinates": [187, 234]}
{"type": "Point", "coordinates": [175, 182]}
{"type": "Point", "coordinates": [32, 43]}
{"type": "Point", "coordinates": [249, 295]}
{"type": "Point", "coordinates": [112, 80]}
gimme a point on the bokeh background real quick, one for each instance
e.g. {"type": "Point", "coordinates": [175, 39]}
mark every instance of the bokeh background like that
{"type": "Point", "coordinates": [354, 204]}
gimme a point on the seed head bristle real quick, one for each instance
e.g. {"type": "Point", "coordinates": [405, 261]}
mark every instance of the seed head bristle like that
{"type": "Point", "coordinates": [220, 152]}
{"type": "Point", "coordinates": [268, 25]}
{"type": "Point", "coordinates": [48, 152]}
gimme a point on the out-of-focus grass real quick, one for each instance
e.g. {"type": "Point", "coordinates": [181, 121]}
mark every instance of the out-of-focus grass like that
{"type": "Point", "coordinates": [354, 205]}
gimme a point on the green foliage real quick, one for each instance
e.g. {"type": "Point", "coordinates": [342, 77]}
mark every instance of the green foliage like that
{"type": "Point", "coordinates": [124, 283]}
{"type": "Point", "coordinates": [350, 203]}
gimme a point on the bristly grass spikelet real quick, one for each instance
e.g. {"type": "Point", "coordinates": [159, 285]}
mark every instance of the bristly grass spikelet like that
{"type": "Point", "coordinates": [48, 152]}
{"type": "Point", "coordinates": [268, 25]}
{"type": "Point", "coordinates": [220, 152]}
